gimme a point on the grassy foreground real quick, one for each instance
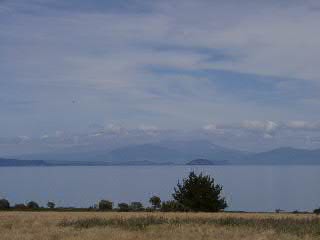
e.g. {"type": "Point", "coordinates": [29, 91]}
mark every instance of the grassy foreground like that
{"type": "Point", "coordinates": [156, 226]}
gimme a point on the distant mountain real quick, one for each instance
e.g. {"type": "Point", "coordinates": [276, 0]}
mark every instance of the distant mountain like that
{"type": "Point", "coordinates": [284, 156]}
{"type": "Point", "coordinates": [20, 163]}
{"type": "Point", "coordinates": [202, 149]}
{"type": "Point", "coordinates": [145, 152]}
{"type": "Point", "coordinates": [201, 161]}
{"type": "Point", "coordinates": [171, 152]}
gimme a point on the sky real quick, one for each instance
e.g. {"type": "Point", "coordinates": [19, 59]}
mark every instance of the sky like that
{"type": "Point", "coordinates": [240, 73]}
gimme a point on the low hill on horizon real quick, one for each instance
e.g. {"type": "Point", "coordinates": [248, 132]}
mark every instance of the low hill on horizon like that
{"type": "Point", "coordinates": [201, 161]}
{"type": "Point", "coordinates": [285, 156]}
{"type": "Point", "coordinates": [174, 152]}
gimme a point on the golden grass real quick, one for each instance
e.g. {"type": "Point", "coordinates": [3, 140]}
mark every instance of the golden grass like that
{"type": "Point", "coordinates": [60, 225]}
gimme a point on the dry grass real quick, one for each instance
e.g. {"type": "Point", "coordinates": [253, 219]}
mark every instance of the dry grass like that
{"type": "Point", "coordinates": [156, 226]}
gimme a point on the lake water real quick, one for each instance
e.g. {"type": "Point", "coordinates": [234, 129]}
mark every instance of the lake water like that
{"type": "Point", "coordinates": [247, 188]}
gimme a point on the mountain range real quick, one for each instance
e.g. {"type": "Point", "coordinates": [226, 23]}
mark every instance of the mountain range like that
{"type": "Point", "coordinates": [169, 152]}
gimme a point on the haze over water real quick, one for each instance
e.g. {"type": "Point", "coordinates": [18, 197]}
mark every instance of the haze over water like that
{"type": "Point", "coordinates": [247, 188]}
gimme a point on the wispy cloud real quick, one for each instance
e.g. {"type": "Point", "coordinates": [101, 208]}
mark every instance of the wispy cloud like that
{"type": "Point", "coordinates": [171, 64]}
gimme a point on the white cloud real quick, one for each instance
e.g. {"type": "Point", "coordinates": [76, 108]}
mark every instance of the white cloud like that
{"type": "Point", "coordinates": [213, 128]}
{"type": "Point", "coordinates": [148, 128]}
{"type": "Point", "coordinates": [267, 39]}
{"type": "Point", "coordinates": [115, 129]}
{"type": "Point", "coordinates": [59, 133]}
{"type": "Point", "coordinates": [303, 125]}
{"type": "Point", "coordinates": [266, 126]}
{"type": "Point", "coordinates": [117, 52]}
{"type": "Point", "coordinates": [44, 137]}
{"type": "Point", "coordinates": [23, 139]}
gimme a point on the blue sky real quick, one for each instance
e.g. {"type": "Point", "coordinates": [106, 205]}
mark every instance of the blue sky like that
{"type": "Point", "coordinates": [216, 66]}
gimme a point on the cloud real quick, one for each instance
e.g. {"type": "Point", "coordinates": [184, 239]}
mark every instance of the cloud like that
{"type": "Point", "coordinates": [213, 128]}
{"type": "Point", "coordinates": [148, 128]}
{"type": "Point", "coordinates": [174, 64]}
{"type": "Point", "coordinates": [266, 126]}
{"type": "Point", "coordinates": [109, 48]}
{"type": "Point", "coordinates": [24, 139]}
{"type": "Point", "coordinates": [44, 137]}
{"type": "Point", "coordinates": [303, 125]}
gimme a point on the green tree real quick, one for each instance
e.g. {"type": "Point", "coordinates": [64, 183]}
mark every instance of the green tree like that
{"type": "Point", "coordinates": [51, 205]}
{"type": "Point", "coordinates": [155, 202]}
{"type": "Point", "coordinates": [123, 207]}
{"type": "Point", "coordinates": [172, 206]}
{"type": "Point", "coordinates": [32, 205]}
{"type": "Point", "coordinates": [199, 193]}
{"type": "Point", "coordinates": [4, 204]}
{"type": "Point", "coordinates": [20, 206]}
{"type": "Point", "coordinates": [136, 206]}
{"type": "Point", "coordinates": [317, 211]}
{"type": "Point", "coordinates": [105, 205]}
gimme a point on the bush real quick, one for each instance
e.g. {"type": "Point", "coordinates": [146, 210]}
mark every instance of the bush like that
{"type": "Point", "coordinates": [136, 206]}
{"type": "Point", "coordinates": [105, 205]}
{"type": "Point", "coordinates": [20, 206]}
{"type": "Point", "coordinates": [32, 205]}
{"type": "Point", "coordinates": [149, 209]}
{"type": "Point", "coordinates": [4, 204]}
{"type": "Point", "coordinates": [317, 211]}
{"type": "Point", "coordinates": [51, 205]}
{"type": "Point", "coordinates": [199, 193]}
{"type": "Point", "coordinates": [123, 207]}
{"type": "Point", "coordinates": [172, 206]}
{"type": "Point", "coordinates": [155, 202]}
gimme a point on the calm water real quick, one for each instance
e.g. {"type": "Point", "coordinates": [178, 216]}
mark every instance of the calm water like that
{"type": "Point", "coordinates": [249, 188]}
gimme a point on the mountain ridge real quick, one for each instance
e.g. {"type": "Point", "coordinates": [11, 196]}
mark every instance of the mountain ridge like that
{"type": "Point", "coordinates": [177, 153]}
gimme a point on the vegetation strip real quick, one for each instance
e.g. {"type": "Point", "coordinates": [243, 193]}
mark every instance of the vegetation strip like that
{"type": "Point", "coordinates": [299, 227]}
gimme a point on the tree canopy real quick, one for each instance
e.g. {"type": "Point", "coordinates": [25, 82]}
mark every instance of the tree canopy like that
{"type": "Point", "coordinates": [155, 201]}
{"type": "Point", "coordinates": [4, 204]}
{"type": "Point", "coordinates": [199, 193]}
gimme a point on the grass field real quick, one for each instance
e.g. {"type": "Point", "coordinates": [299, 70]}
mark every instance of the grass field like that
{"type": "Point", "coordinates": [156, 226]}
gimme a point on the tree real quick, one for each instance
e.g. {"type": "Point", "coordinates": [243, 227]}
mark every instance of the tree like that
{"type": "Point", "coordinates": [123, 207]}
{"type": "Point", "coordinates": [32, 205]}
{"type": "Point", "coordinates": [51, 205]}
{"type": "Point", "coordinates": [136, 206]}
{"type": "Point", "coordinates": [105, 205]}
{"type": "Point", "coordinates": [155, 201]}
{"type": "Point", "coordinates": [317, 211]}
{"type": "Point", "coordinates": [4, 204]}
{"type": "Point", "coordinates": [199, 193]}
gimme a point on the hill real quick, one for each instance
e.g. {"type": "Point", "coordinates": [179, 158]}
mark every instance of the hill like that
{"type": "Point", "coordinates": [171, 152]}
{"type": "Point", "coordinates": [20, 163]}
{"type": "Point", "coordinates": [201, 161]}
{"type": "Point", "coordinates": [284, 156]}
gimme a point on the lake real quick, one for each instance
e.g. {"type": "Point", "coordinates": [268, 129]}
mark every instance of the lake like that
{"type": "Point", "coordinates": [247, 188]}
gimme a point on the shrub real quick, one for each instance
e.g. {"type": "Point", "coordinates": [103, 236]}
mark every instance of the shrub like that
{"type": "Point", "coordinates": [105, 205]}
{"type": "Point", "coordinates": [20, 206]}
{"type": "Point", "coordinates": [172, 206]}
{"type": "Point", "coordinates": [136, 206]}
{"type": "Point", "coordinates": [51, 205]}
{"type": "Point", "coordinates": [317, 211]}
{"type": "Point", "coordinates": [199, 193]}
{"type": "Point", "coordinates": [123, 207]}
{"type": "Point", "coordinates": [149, 209]}
{"type": "Point", "coordinates": [155, 202]}
{"type": "Point", "coordinates": [4, 204]}
{"type": "Point", "coordinates": [32, 205]}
